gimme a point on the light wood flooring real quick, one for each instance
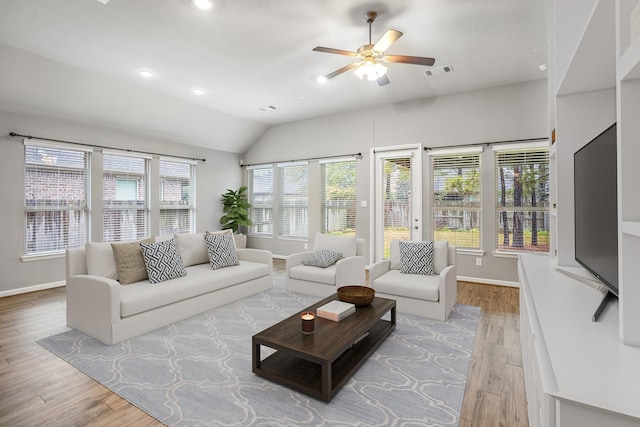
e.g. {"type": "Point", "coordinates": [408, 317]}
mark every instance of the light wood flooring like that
{"type": "Point", "coordinates": [38, 389]}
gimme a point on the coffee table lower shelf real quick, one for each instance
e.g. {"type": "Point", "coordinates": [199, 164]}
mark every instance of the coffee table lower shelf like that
{"type": "Point", "coordinates": [320, 379]}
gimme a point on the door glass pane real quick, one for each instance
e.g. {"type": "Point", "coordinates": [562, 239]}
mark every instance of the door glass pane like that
{"type": "Point", "coordinates": [397, 200]}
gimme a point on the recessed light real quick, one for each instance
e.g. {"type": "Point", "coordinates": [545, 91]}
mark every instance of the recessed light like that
{"type": "Point", "coordinates": [203, 4]}
{"type": "Point", "coordinates": [198, 91]}
{"type": "Point", "coordinates": [146, 73]}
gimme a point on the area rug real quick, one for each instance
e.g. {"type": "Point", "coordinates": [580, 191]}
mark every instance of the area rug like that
{"type": "Point", "coordinates": [197, 372]}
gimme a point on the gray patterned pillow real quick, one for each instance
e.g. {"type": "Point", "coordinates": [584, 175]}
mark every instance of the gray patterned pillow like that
{"type": "Point", "coordinates": [221, 250]}
{"type": "Point", "coordinates": [162, 260]}
{"type": "Point", "coordinates": [416, 258]}
{"type": "Point", "coordinates": [323, 258]}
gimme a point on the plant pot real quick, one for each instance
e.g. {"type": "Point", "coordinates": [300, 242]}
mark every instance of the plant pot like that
{"type": "Point", "coordinates": [241, 240]}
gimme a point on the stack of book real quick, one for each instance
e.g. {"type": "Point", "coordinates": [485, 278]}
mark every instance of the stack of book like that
{"type": "Point", "coordinates": [336, 310]}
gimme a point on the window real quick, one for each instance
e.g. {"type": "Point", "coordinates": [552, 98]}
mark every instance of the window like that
{"type": "Point", "coordinates": [56, 182]}
{"type": "Point", "coordinates": [124, 197]}
{"type": "Point", "coordinates": [455, 192]}
{"type": "Point", "coordinates": [177, 208]}
{"type": "Point", "coordinates": [294, 186]}
{"type": "Point", "coordinates": [261, 199]}
{"type": "Point", "coordinates": [339, 197]}
{"type": "Point", "coordinates": [522, 199]}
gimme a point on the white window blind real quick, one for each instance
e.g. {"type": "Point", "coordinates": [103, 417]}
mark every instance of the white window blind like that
{"type": "Point", "coordinates": [455, 198]}
{"type": "Point", "coordinates": [339, 197]}
{"type": "Point", "coordinates": [294, 186]}
{"type": "Point", "coordinates": [522, 199]}
{"type": "Point", "coordinates": [261, 199]}
{"type": "Point", "coordinates": [56, 182]}
{"type": "Point", "coordinates": [125, 197]}
{"type": "Point", "coordinates": [177, 196]}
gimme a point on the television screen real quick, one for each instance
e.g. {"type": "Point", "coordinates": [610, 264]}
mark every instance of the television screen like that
{"type": "Point", "coordinates": [596, 208]}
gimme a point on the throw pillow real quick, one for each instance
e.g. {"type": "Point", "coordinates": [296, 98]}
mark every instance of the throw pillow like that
{"type": "Point", "coordinates": [192, 248]}
{"type": "Point", "coordinates": [129, 261]}
{"type": "Point", "coordinates": [416, 257]}
{"type": "Point", "coordinates": [221, 250]}
{"type": "Point", "coordinates": [322, 258]}
{"type": "Point", "coordinates": [162, 260]}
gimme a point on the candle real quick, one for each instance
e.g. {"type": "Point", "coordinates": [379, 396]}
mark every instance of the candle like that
{"type": "Point", "coordinates": [308, 322]}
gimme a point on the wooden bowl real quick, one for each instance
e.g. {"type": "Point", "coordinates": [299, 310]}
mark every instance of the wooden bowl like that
{"type": "Point", "coordinates": [358, 295]}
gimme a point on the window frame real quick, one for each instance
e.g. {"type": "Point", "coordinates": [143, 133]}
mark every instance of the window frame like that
{"type": "Point", "coordinates": [349, 203]}
{"type": "Point", "coordinates": [189, 206]}
{"type": "Point", "coordinates": [299, 221]}
{"type": "Point", "coordinates": [265, 205]}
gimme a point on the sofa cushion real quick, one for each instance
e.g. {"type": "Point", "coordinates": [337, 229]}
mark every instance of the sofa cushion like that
{"type": "Point", "coordinates": [346, 244]}
{"type": "Point", "coordinates": [100, 260]}
{"type": "Point", "coordinates": [416, 257]}
{"type": "Point", "coordinates": [192, 249]}
{"type": "Point", "coordinates": [322, 258]}
{"type": "Point", "coordinates": [440, 255]}
{"type": "Point", "coordinates": [129, 261]}
{"type": "Point", "coordinates": [314, 274]}
{"type": "Point", "coordinates": [162, 260]}
{"type": "Point", "coordinates": [221, 249]}
{"type": "Point", "coordinates": [418, 286]}
{"type": "Point", "coordinates": [143, 296]}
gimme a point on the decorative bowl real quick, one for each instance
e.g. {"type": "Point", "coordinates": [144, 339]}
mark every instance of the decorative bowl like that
{"type": "Point", "coordinates": [358, 295]}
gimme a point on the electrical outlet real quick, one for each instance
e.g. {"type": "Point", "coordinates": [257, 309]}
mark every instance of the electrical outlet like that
{"type": "Point", "coordinates": [478, 261]}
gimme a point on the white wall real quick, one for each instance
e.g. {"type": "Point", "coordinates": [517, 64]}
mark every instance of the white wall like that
{"type": "Point", "coordinates": [220, 171]}
{"type": "Point", "coordinates": [509, 112]}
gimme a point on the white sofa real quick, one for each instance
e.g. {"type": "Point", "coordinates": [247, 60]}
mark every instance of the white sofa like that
{"type": "Point", "coordinates": [322, 282]}
{"type": "Point", "coordinates": [98, 305]}
{"type": "Point", "coordinates": [417, 294]}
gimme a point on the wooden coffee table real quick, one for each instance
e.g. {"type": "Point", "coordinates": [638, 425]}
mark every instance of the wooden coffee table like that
{"type": "Point", "coordinates": [321, 363]}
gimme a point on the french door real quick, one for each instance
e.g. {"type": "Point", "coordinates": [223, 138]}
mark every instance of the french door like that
{"type": "Point", "coordinates": [397, 195]}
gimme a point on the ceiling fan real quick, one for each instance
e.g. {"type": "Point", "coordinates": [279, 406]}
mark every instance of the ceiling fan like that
{"type": "Point", "coordinates": [371, 57]}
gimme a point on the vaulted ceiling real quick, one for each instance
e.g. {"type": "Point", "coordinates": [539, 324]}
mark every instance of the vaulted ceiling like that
{"type": "Point", "coordinates": [79, 59]}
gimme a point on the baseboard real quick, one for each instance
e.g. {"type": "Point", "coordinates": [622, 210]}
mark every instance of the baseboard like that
{"type": "Point", "coordinates": [489, 281]}
{"type": "Point", "coordinates": [29, 289]}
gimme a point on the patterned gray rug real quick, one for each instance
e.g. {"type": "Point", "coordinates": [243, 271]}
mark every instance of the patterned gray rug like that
{"type": "Point", "coordinates": [197, 372]}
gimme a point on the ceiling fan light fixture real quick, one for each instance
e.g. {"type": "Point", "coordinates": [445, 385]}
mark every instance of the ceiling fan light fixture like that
{"type": "Point", "coordinates": [370, 69]}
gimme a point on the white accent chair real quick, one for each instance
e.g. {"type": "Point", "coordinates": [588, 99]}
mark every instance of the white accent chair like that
{"type": "Point", "coordinates": [323, 282]}
{"type": "Point", "coordinates": [417, 294]}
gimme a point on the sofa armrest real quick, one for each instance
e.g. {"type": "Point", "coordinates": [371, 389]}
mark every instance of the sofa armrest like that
{"type": "Point", "coordinates": [378, 269]}
{"type": "Point", "coordinates": [262, 256]}
{"type": "Point", "coordinates": [93, 305]}
{"type": "Point", "coordinates": [350, 271]}
{"type": "Point", "coordinates": [448, 287]}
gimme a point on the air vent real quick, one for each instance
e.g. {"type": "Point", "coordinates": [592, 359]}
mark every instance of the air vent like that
{"type": "Point", "coordinates": [438, 70]}
{"type": "Point", "coordinates": [268, 108]}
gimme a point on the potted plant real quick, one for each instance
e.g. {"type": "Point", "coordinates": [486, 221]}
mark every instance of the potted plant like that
{"type": "Point", "coordinates": [236, 213]}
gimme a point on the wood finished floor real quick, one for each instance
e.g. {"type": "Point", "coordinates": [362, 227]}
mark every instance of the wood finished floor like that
{"type": "Point", "coordinates": [38, 389]}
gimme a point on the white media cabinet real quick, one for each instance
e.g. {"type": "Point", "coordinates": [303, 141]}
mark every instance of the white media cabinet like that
{"type": "Point", "coordinates": [577, 372]}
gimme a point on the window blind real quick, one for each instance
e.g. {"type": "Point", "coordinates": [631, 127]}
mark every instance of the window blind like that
{"type": "Point", "coordinates": [522, 199]}
{"type": "Point", "coordinates": [455, 198]}
{"type": "Point", "coordinates": [177, 190]}
{"type": "Point", "coordinates": [125, 197]}
{"type": "Point", "coordinates": [261, 199]}
{"type": "Point", "coordinates": [294, 183]}
{"type": "Point", "coordinates": [56, 183]}
{"type": "Point", "coordinates": [339, 197]}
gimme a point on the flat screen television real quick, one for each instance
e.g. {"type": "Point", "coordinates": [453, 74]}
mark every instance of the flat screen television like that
{"type": "Point", "coordinates": [596, 210]}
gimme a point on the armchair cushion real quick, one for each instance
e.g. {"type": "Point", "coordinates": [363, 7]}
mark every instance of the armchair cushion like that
{"type": "Point", "coordinates": [416, 258]}
{"type": "Point", "coordinates": [416, 286]}
{"type": "Point", "coordinates": [322, 258]}
{"type": "Point", "coordinates": [314, 274]}
{"type": "Point", "coordinates": [345, 244]}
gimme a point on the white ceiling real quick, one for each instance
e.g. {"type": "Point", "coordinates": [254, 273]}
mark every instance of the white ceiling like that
{"type": "Point", "coordinates": [78, 59]}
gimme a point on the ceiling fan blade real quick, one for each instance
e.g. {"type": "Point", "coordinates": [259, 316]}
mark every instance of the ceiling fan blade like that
{"type": "Point", "coordinates": [341, 70]}
{"type": "Point", "coordinates": [417, 60]}
{"type": "Point", "coordinates": [336, 51]}
{"type": "Point", "coordinates": [383, 81]}
{"type": "Point", "coordinates": [387, 40]}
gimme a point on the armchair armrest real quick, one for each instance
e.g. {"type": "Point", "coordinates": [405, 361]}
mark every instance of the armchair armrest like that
{"type": "Point", "coordinates": [350, 271]}
{"type": "Point", "coordinates": [93, 305]}
{"type": "Point", "coordinates": [262, 256]}
{"type": "Point", "coordinates": [378, 269]}
{"type": "Point", "coordinates": [448, 288]}
{"type": "Point", "coordinates": [296, 259]}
